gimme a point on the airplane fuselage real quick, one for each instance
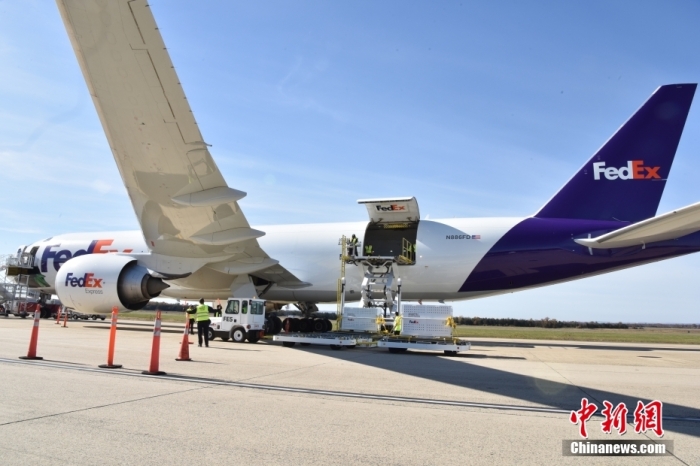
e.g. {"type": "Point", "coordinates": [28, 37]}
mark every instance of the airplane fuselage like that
{"type": "Point", "coordinates": [456, 259]}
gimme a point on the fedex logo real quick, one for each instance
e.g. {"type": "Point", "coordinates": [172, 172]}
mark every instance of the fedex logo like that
{"type": "Point", "coordinates": [59, 257]}
{"type": "Point", "coordinates": [86, 281]}
{"type": "Point", "coordinates": [634, 170]}
{"type": "Point", "coordinates": [390, 208]}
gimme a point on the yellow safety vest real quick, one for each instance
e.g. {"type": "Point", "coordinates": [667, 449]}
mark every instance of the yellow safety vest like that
{"type": "Point", "coordinates": [397, 324]}
{"type": "Point", "coordinates": [202, 313]}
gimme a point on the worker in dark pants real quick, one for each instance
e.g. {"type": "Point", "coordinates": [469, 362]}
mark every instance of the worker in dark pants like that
{"type": "Point", "coordinates": [190, 313]}
{"type": "Point", "coordinates": [353, 245]}
{"type": "Point", "coordinates": [202, 318]}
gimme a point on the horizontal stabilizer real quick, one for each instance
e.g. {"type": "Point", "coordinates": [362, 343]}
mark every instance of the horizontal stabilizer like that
{"type": "Point", "coordinates": [670, 225]}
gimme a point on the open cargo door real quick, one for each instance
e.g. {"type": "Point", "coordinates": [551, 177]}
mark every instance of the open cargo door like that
{"type": "Point", "coordinates": [392, 228]}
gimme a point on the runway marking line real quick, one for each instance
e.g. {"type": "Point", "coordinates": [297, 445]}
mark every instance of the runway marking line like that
{"type": "Point", "coordinates": [312, 391]}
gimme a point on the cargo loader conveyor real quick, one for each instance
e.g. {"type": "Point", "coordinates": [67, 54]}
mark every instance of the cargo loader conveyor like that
{"type": "Point", "coordinates": [382, 321]}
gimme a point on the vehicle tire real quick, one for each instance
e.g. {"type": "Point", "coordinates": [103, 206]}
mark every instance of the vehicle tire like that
{"type": "Point", "coordinates": [329, 325]}
{"type": "Point", "coordinates": [288, 344]}
{"type": "Point", "coordinates": [210, 334]}
{"type": "Point", "coordinates": [102, 318]}
{"type": "Point", "coordinates": [253, 337]}
{"type": "Point", "coordinates": [397, 350]}
{"type": "Point", "coordinates": [238, 335]}
{"type": "Point", "coordinates": [336, 347]}
{"type": "Point", "coordinates": [305, 344]}
{"type": "Point", "coordinates": [319, 326]}
{"type": "Point", "coordinates": [94, 317]}
{"type": "Point", "coordinates": [450, 353]}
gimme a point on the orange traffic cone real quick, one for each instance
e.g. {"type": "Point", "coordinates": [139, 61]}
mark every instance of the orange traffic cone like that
{"type": "Point", "coordinates": [185, 346]}
{"type": "Point", "coordinates": [58, 315]}
{"type": "Point", "coordinates": [155, 349]}
{"type": "Point", "coordinates": [112, 337]}
{"type": "Point", "coordinates": [31, 354]}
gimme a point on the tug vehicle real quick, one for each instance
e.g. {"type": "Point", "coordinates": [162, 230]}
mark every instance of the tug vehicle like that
{"type": "Point", "coordinates": [241, 320]}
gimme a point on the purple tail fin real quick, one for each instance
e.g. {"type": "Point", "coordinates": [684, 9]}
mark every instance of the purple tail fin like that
{"type": "Point", "coordinates": [624, 180]}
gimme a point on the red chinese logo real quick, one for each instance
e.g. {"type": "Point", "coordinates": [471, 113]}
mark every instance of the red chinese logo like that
{"type": "Point", "coordinates": [646, 417]}
{"type": "Point", "coordinates": [582, 415]}
{"type": "Point", "coordinates": [616, 418]}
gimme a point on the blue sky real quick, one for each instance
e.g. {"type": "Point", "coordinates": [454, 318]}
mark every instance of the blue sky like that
{"type": "Point", "coordinates": [477, 109]}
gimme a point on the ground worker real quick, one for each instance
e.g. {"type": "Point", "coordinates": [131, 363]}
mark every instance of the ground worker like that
{"type": "Point", "coordinates": [353, 245]}
{"type": "Point", "coordinates": [190, 312]}
{"type": "Point", "coordinates": [218, 310]}
{"type": "Point", "coordinates": [368, 250]}
{"type": "Point", "coordinates": [202, 318]}
{"type": "Point", "coordinates": [397, 324]}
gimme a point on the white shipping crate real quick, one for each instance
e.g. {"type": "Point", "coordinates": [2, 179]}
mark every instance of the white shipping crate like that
{"type": "Point", "coordinates": [426, 321]}
{"type": "Point", "coordinates": [360, 319]}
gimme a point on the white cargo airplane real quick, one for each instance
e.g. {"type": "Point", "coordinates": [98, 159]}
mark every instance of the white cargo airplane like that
{"type": "Point", "coordinates": [195, 241]}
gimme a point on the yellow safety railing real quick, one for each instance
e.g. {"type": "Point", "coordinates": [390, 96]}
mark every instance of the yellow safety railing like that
{"type": "Point", "coordinates": [408, 251]}
{"type": "Point", "coordinates": [343, 257]}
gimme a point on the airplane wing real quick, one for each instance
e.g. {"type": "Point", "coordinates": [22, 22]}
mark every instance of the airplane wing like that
{"type": "Point", "coordinates": [670, 225]}
{"type": "Point", "coordinates": [183, 204]}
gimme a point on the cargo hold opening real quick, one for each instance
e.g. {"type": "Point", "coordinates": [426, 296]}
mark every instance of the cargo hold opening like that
{"type": "Point", "coordinates": [387, 239]}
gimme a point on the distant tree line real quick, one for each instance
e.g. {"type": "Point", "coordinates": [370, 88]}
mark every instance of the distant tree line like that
{"type": "Point", "coordinates": [543, 323]}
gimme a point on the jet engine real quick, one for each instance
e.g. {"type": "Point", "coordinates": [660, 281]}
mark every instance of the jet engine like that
{"type": "Point", "coordinates": [94, 283]}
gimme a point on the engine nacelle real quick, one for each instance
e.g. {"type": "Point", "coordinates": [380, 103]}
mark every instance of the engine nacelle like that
{"type": "Point", "coordinates": [94, 283]}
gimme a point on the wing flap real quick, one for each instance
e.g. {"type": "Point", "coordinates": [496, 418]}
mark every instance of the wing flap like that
{"type": "Point", "coordinates": [670, 225]}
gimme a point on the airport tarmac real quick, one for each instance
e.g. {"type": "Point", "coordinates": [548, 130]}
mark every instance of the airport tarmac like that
{"type": "Point", "coordinates": [503, 402]}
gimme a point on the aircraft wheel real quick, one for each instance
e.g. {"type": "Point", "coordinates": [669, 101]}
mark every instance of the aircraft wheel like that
{"type": "Point", "coordinates": [238, 335]}
{"type": "Point", "coordinates": [288, 344]}
{"type": "Point", "coordinates": [276, 325]}
{"type": "Point", "coordinates": [319, 325]}
{"type": "Point", "coordinates": [305, 325]}
{"type": "Point", "coordinates": [287, 325]}
{"type": "Point", "coordinates": [329, 325]}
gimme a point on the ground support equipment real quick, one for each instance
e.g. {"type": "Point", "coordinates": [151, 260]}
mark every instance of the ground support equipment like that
{"type": "Point", "coordinates": [333, 339]}
{"type": "Point", "coordinates": [398, 344]}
